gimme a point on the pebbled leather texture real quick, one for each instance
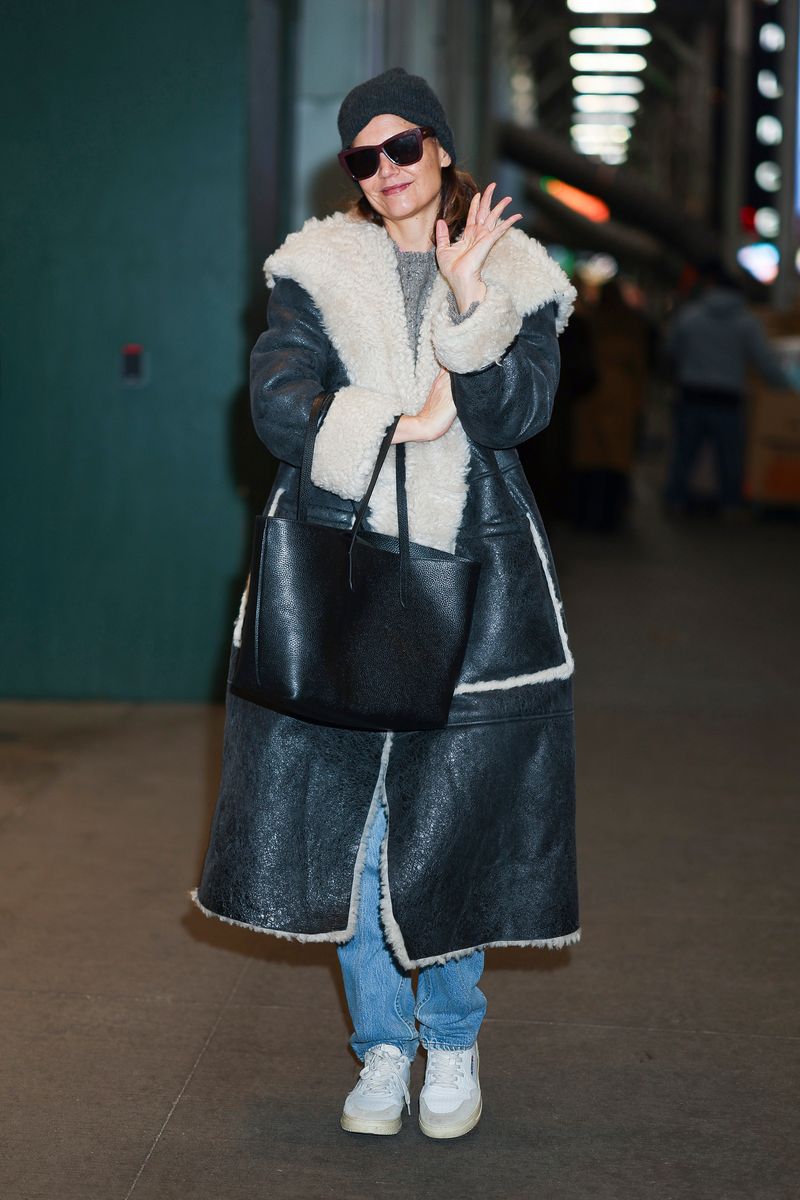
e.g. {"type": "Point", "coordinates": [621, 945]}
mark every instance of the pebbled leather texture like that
{"type": "Point", "coordinates": [293, 361]}
{"type": "Point", "coordinates": [481, 838]}
{"type": "Point", "coordinates": [481, 842]}
{"type": "Point", "coordinates": [326, 633]}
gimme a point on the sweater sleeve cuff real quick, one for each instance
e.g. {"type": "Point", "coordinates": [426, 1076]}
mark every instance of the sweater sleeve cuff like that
{"type": "Point", "coordinates": [455, 315]}
{"type": "Point", "coordinates": [470, 345]}
{"type": "Point", "coordinates": [346, 447]}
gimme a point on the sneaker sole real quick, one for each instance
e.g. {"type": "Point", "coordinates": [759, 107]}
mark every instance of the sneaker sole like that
{"type": "Point", "coordinates": [361, 1125]}
{"type": "Point", "coordinates": [453, 1131]}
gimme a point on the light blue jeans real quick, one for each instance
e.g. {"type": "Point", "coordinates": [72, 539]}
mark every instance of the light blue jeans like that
{"type": "Point", "coordinates": [449, 1006]}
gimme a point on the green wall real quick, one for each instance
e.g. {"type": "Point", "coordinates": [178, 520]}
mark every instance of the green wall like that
{"type": "Point", "coordinates": [123, 219]}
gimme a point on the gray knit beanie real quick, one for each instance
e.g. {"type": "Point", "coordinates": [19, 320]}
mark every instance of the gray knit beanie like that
{"type": "Point", "coordinates": [397, 92]}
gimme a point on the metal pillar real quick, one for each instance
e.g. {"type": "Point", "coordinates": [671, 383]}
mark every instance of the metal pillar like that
{"type": "Point", "coordinates": [738, 28]}
{"type": "Point", "coordinates": [785, 290]}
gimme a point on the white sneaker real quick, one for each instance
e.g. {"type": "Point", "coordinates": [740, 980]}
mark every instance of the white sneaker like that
{"type": "Point", "coordinates": [375, 1104]}
{"type": "Point", "coordinates": [450, 1101]}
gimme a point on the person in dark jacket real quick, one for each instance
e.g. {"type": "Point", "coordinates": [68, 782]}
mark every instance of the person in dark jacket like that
{"type": "Point", "coordinates": [605, 419]}
{"type": "Point", "coordinates": [710, 344]}
{"type": "Point", "coordinates": [413, 849]}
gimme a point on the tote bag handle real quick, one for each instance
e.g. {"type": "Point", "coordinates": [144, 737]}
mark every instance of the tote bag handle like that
{"type": "Point", "coordinates": [319, 409]}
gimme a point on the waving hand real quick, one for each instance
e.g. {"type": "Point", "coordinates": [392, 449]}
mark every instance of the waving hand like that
{"type": "Point", "coordinates": [460, 262]}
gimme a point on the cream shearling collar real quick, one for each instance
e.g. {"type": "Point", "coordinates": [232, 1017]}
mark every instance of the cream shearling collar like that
{"type": "Point", "coordinates": [349, 268]}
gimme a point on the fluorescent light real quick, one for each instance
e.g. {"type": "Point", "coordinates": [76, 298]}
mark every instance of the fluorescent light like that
{"type": "Point", "coordinates": [607, 62]}
{"type": "Point", "coordinates": [761, 260]}
{"type": "Point", "coordinates": [585, 132]}
{"type": "Point", "coordinates": [607, 83]}
{"type": "Point", "coordinates": [771, 38]}
{"type": "Point", "coordinates": [768, 176]}
{"type": "Point", "coordinates": [767, 222]}
{"type": "Point", "coordinates": [769, 86]}
{"type": "Point", "coordinates": [610, 35]}
{"type": "Point", "coordinates": [596, 104]}
{"type": "Point", "coordinates": [611, 6]}
{"type": "Point", "coordinates": [613, 155]}
{"type": "Point", "coordinates": [769, 130]}
{"type": "Point", "coordinates": [606, 118]}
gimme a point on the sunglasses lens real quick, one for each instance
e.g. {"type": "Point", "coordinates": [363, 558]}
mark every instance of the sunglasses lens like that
{"type": "Point", "coordinates": [404, 149]}
{"type": "Point", "coordinates": [362, 163]}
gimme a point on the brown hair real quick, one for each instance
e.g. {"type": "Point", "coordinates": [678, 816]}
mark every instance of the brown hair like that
{"type": "Point", "coordinates": [458, 188]}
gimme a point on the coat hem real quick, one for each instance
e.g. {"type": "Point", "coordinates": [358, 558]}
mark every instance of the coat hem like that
{"type": "Point", "coordinates": [340, 935]}
{"type": "Point", "coordinates": [552, 943]}
{"type": "Point", "coordinates": [335, 935]}
{"type": "Point", "coordinates": [344, 935]}
{"type": "Point", "coordinates": [391, 928]}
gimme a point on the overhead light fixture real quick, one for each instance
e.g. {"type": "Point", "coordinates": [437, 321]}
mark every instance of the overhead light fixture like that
{"type": "Point", "coordinates": [768, 176]}
{"type": "Point", "coordinates": [768, 85]}
{"type": "Point", "coordinates": [607, 62]}
{"type": "Point", "coordinates": [761, 260]}
{"type": "Point", "coordinates": [585, 132]}
{"type": "Point", "coordinates": [769, 130]}
{"type": "Point", "coordinates": [614, 158]}
{"type": "Point", "coordinates": [768, 222]}
{"type": "Point", "coordinates": [771, 38]}
{"type": "Point", "coordinates": [611, 6]}
{"type": "Point", "coordinates": [610, 35]}
{"type": "Point", "coordinates": [604, 84]}
{"type": "Point", "coordinates": [606, 118]}
{"type": "Point", "coordinates": [595, 104]}
{"type": "Point", "coordinates": [611, 155]}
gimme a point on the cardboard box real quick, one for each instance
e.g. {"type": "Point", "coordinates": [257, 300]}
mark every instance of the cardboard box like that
{"type": "Point", "coordinates": [772, 460]}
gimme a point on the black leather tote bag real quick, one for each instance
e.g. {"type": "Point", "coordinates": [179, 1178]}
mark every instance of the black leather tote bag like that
{"type": "Point", "coordinates": [350, 628]}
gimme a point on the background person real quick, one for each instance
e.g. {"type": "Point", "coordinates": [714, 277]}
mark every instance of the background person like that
{"type": "Point", "coordinates": [710, 344]}
{"type": "Point", "coordinates": [606, 418]}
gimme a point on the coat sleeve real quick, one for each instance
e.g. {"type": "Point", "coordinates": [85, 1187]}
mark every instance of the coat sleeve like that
{"type": "Point", "coordinates": [290, 365]}
{"type": "Point", "coordinates": [504, 368]}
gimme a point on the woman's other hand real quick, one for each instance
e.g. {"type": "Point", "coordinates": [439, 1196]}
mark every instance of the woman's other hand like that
{"type": "Point", "coordinates": [434, 418]}
{"type": "Point", "coordinates": [460, 262]}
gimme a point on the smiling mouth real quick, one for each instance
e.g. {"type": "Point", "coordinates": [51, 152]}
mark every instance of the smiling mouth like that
{"type": "Point", "coordinates": [396, 187]}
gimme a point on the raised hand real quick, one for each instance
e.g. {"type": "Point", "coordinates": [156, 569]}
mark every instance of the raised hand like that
{"type": "Point", "coordinates": [460, 262]}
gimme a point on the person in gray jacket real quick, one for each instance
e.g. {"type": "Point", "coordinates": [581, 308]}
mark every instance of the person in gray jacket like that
{"type": "Point", "coordinates": [711, 343]}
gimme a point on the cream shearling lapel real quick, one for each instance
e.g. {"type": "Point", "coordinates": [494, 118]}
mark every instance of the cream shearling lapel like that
{"type": "Point", "coordinates": [522, 266]}
{"type": "Point", "coordinates": [349, 269]}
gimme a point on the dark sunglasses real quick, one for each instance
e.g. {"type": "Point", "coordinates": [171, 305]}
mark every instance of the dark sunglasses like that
{"type": "Point", "coordinates": [402, 149]}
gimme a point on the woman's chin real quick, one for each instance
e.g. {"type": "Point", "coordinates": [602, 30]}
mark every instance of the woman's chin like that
{"type": "Point", "coordinates": [400, 207]}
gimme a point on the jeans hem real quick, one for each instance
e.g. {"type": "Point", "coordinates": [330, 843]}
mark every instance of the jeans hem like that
{"type": "Point", "coordinates": [405, 1046]}
{"type": "Point", "coordinates": [431, 1045]}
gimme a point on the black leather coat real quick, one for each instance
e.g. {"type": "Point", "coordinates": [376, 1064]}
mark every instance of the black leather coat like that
{"type": "Point", "coordinates": [480, 848]}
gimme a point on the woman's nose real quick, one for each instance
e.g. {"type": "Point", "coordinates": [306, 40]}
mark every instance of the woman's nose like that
{"type": "Point", "coordinates": [386, 167]}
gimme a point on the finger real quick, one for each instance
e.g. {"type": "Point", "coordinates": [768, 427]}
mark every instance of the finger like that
{"type": "Point", "coordinates": [486, 201]}
{"type": "Point", "coordinates": [503, 226]}
{"type": "Point", "coordinates": [442, 235]}
{"type": "Point", "coordinates": [494, 215]}
{"type": "Point", "coordinates": [473, 208]}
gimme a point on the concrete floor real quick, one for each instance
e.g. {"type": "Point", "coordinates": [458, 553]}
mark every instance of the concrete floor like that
{"type": "Point", "coordinates": [149, 1052]}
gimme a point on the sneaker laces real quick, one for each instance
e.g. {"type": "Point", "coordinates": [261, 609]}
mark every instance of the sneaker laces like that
{"type": "Point", "coordinates": [382, 1075]}
{"type": "Point", "coordinates": [446, 1068]}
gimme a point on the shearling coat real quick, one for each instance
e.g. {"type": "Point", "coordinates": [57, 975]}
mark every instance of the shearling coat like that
{"type": "Point", "coordinates": [480, 847]}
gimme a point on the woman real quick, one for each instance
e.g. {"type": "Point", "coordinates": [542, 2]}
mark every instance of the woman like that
{"type": "Point", "coordinates": [413, 850]}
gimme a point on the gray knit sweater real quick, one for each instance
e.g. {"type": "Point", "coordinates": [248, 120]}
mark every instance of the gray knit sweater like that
{"type": "Point", "coordinates": [417, 270]}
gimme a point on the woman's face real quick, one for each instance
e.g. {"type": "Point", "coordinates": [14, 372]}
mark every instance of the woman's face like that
{"type": "Point", "coordinates": [401, 192]}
